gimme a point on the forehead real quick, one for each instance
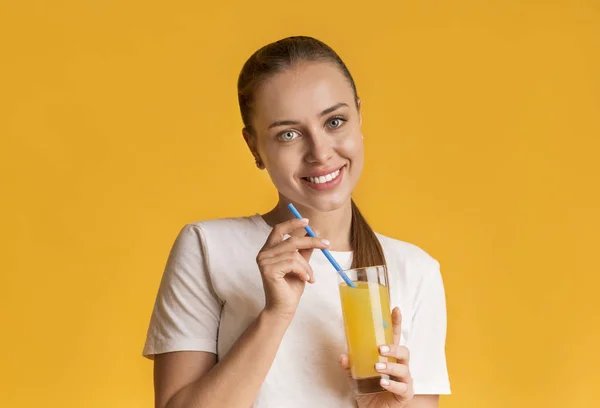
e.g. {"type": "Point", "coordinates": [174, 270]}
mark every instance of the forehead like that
{"type": "Point", "coordinates": [300, 92]}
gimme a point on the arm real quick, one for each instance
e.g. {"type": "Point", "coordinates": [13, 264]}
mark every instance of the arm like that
{"type": "Point", "coordinates": [192, 380]}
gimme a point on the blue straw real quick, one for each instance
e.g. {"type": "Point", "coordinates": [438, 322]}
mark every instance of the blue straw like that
{"type": "Point", "coordinates": [310, 232]}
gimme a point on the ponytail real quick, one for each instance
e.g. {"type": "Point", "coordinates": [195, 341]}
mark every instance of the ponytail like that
{"type": "Point", "coordinates": [365, 244]}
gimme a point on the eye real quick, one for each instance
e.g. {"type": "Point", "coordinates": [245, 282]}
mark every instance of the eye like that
{"type": "Point", "coordinates": [336, 122]}
{"type": "Point", "coordinates": [288, 135]}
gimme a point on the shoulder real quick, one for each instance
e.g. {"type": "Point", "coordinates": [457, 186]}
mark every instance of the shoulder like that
{"type": "Point", "coordinates": [406, 251]}
{"type": "Point", "coordinates": [219, 228]}
{"type": "Point", "coordinates": [223, 238]}
{"type": "Point", "coordinates": [409, 259]}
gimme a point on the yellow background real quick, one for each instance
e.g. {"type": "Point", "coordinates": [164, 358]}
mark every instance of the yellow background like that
{"type": "Point", "coordinates": [119, 123]}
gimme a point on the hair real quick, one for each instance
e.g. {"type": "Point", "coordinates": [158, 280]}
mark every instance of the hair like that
{"type": "Point", "coordinates": [282, 55]}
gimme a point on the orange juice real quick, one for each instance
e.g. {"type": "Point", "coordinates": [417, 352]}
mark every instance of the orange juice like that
{"type": "Point", "coordinates": [368, 325]}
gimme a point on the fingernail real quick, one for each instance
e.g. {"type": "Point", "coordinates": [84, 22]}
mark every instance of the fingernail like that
{"type": "Point", "coordinates": [384, 382]}
{"type": "Point", "coordinates": [380, 366]}
{"type": "Point", "coordinates": [304, 220]}
{"type": "Point", "coordinates": [307, 277]}
{"type": "Point", "coordinates": [384, 349]}
{"type": "Point", "coordinates": [325, 242]}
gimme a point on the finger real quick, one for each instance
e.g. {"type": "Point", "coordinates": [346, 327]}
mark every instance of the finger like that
{"type": "Point", "coordinates": [292, 244]}
{"type": "Point", "coordinates": [400, 372]}
{"type": "Point", "coordinates": [401, 389]}
{"type": "Point", "coordinates": [345, 362]}
{"type": "Point", "coordinates": [288, 266]}
{"type": "Point", "coordinates": [400, 353]}
{"type": "Point", "coordinates": [300, 232]}
{"type": "Point", "coordinates": [307, 266]}
{"type": "Point", "coordinates": [269, 262]}
{"type": "Point", "coordinates": [396, 324]}
{"type": "Point", "coordinates": [307, 253]}
{"type": "Point", "coordinates": [297, 243]}
{"type": "Point", "coordinates": [279, 232]}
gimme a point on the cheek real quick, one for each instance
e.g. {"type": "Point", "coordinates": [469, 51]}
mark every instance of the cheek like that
{"type": "Point", "coordinates": [281, 167]}
{"type": "Point", "coordinates": [352, 148]}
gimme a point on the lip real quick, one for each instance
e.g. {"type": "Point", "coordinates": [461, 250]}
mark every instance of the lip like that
{"type": "Point", "coordinates": [323, 172]}
{"type": "Point", "coordinates": [328, 185]}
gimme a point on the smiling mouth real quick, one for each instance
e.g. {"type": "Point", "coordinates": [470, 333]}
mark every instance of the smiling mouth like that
{"type": "Point", "coordinates": [323, 179]}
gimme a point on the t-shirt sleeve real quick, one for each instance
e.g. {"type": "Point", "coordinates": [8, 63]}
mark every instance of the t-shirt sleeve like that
{"type": "Point", "coordinates": [427, 339]}
{"type": "Point", "coordinates": [187, 310]}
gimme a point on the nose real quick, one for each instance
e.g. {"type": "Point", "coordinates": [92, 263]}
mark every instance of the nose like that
{"type": "Point", "coordinates": [320, 148]}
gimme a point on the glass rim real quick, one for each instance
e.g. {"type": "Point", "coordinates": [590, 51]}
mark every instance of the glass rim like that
{"type": "Point", "coordinates": [366, 267]}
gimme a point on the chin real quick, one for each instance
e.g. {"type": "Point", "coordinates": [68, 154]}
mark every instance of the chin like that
{"type": "Point", "coordinates": [323, 204]}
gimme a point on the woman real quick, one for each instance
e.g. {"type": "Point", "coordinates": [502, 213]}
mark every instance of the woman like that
{"type": "Point", "coordinates": [247, 314]}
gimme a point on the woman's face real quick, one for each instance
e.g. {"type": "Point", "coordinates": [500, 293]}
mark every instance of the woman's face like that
{"type": "Point", "coordinates": [307, 135]}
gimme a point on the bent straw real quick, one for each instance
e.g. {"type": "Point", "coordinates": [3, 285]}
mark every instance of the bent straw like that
{"type": "Point", "coordinates": [327, 254]}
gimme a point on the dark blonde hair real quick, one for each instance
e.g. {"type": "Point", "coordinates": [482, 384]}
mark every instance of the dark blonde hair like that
{"type": "Point", "coordinates": [277, 57]}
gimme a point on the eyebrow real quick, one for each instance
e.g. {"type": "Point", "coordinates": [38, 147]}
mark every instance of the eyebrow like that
{"type": "Point", "coordinates": [292, 122]}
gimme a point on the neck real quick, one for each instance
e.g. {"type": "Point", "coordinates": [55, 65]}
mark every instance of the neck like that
{"type": "Point", "coordinates": [332, 225]}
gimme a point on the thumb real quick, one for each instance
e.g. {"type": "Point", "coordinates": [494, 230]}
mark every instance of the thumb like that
{"type": "Point", "coordinates": [396, 324]}
{"type": "Point", "coordinates": [344, 361]}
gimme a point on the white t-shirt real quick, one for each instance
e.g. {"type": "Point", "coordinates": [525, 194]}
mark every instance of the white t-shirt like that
{"type": "Point", "coordinates": [211, 291]}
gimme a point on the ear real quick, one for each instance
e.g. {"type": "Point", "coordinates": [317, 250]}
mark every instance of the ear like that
{"type": "Point", "coordinates": [250, 140]}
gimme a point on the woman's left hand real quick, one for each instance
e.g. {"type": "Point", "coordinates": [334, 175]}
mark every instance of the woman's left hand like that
{"type": "Point", "coordinates": [399, 392]}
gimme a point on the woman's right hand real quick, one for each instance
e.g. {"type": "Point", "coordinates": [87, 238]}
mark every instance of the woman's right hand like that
{"type": "Point", "coordinates": [284, 266]}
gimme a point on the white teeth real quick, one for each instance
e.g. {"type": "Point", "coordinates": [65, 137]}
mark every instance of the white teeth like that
{"type": "Point", "coordinates": [324, 179]}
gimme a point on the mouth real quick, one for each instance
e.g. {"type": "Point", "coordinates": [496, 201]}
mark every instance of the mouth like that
{"type": "Point", "coordinates": [326, 181]}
